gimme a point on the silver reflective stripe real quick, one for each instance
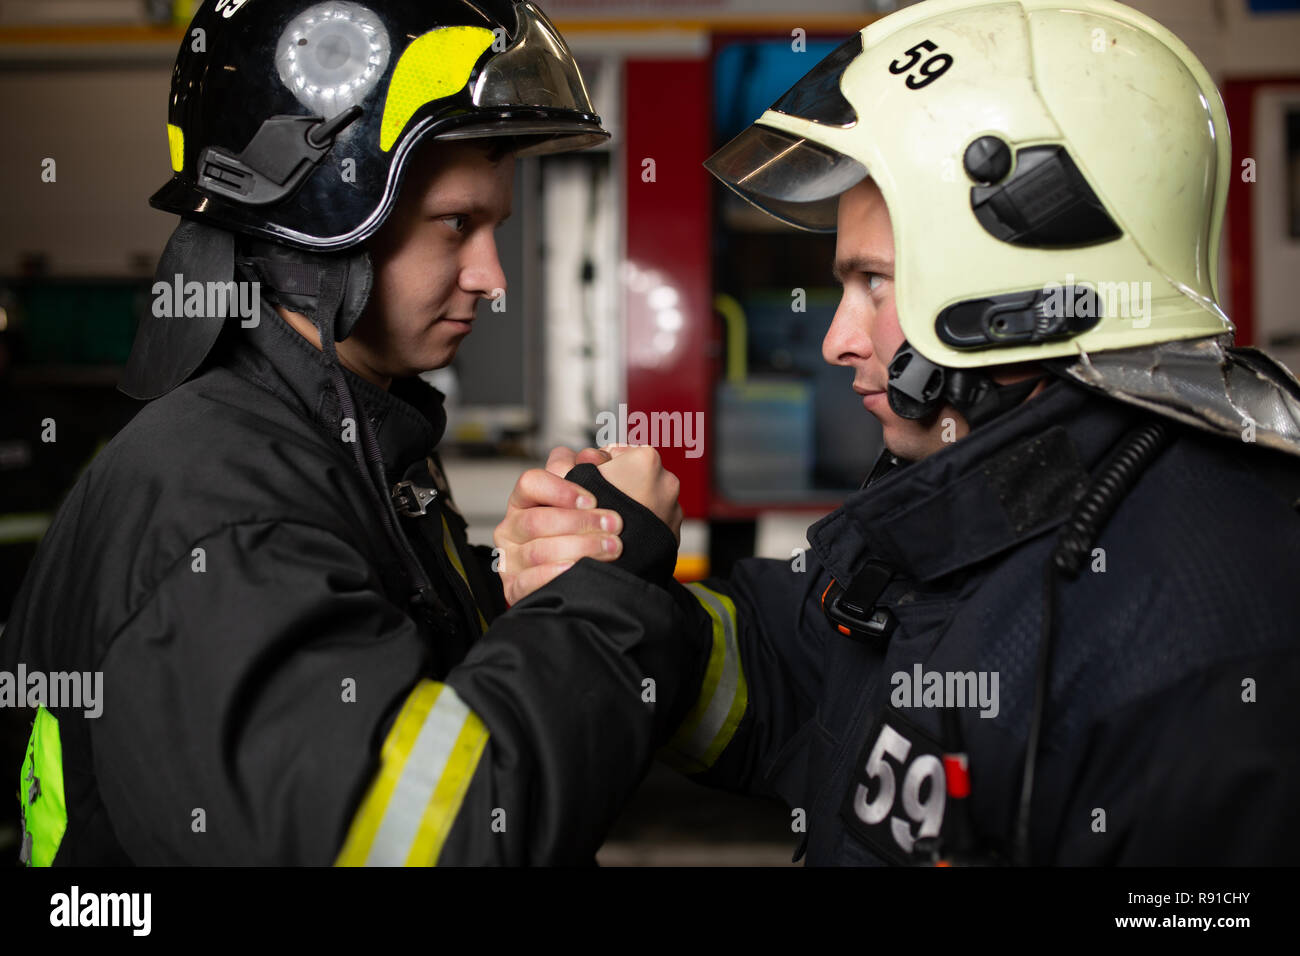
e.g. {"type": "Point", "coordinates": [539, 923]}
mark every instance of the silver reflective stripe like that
{"type": "Point", "coordinates": [724, 694]}
{"type": "Point", "coordinates": [420, 777]}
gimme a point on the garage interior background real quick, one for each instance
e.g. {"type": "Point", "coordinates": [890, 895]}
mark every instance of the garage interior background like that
{"type": "Point", "coordinates": [658, 293]}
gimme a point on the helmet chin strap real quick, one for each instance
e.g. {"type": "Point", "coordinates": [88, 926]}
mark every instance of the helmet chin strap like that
{"type": "Point", "coordinates": [918, 388]}
{"type": "Point", "coordinates": [332, 291]}
{"type": "Point", "coordinates": [299, 279]}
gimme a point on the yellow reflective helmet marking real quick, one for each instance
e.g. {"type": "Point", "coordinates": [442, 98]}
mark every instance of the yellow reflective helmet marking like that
{"type": "Point", "coordinates": [176, 142]}
{"type": "Point", "coordinates": [433, 66]}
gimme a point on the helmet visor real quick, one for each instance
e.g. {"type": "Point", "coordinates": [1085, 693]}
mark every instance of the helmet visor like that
{"type": "Point", "coordinates": [790, 178]}
{"type": "Point", "coordinates": [537, 72]}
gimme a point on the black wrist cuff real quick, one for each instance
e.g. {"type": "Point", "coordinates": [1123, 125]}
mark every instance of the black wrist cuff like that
{"type": "Point", "coordinates": [649, 548]}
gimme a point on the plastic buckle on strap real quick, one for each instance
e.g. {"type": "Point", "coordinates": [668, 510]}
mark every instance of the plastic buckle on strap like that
{"type": "Point", "coordinates": [411, 500]}
{"type": "Point", "coordinates": [852, 610]}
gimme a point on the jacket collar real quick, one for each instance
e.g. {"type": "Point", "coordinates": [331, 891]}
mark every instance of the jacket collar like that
{"type": "Point", "coordinates": [408, 419]}
{"type": "Point", "coordinates": [1011, 480]}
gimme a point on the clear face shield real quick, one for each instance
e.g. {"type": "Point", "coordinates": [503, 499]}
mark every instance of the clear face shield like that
{"type": "Point", "coordinates": [539, 76]}
{"type": "Point", "coordinates": [792, 179]}
{"type": "Point", "coordinates": [788, 177]}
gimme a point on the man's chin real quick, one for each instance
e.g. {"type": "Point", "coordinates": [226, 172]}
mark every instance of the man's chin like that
{"type": "Point", "coordinates": [904, 442]}
{"type": "Point", "coordinates": [435, 360]}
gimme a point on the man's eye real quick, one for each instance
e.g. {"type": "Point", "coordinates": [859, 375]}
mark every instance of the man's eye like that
{"type": "Point", "coordinates": [875, 280]}
{"type": "Point", "coordinates": [457, 223]}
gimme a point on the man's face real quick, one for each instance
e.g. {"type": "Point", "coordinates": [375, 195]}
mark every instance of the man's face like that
{"type": "Point", "coordinates": [434, 259]}
{"type": "Point", "coordinates": [865, 333]}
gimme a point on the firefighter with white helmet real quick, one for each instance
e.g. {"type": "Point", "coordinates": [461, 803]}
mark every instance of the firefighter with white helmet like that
{"type": "Point", "coordinates": [1057, 625]}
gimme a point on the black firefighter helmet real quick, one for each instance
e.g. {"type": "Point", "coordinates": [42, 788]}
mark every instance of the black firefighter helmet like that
{"type": "Point", "coordinates": [291, 123]}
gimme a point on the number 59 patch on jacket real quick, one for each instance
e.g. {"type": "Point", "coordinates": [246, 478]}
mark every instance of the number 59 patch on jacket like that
{"type": "Point", "coordinates": [897, 792]}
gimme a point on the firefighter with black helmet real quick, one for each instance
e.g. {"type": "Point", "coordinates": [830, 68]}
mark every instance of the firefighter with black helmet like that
{"type": "Point", "coordinates": [302, 660]}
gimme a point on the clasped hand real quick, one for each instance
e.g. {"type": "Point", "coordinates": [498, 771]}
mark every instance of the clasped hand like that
{"type": "Point", "coordinates": [550, 523]}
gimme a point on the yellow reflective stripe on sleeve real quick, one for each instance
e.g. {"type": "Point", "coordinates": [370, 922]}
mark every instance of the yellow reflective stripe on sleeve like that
{"type": "Point", "coordinates": [393, 755]}
{"type": "Point", "coordinates": [447, 798]}
{"type": "Point", "coordinates": [449, 545]}
{"type": "Point", "coordinates": [712, 722]}
{"type": "Point", "coordinates": [426, 764]}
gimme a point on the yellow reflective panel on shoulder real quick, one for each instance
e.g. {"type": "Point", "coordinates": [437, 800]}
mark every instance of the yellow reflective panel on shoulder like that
{"type": "Point", "coordinates": [426, 764]}
{"type": "Point", "coordinates": [40, 792]}
{"type": "Point", "coordinates": [435, 65]}
{"type": "Point", "coordinates": [712, 722]}
{"type": "Point", "coordinates": [176, 143]}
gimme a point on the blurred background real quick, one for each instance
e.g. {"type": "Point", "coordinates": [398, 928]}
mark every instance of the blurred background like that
{"type": "Point", "coordinates": [633, 283]}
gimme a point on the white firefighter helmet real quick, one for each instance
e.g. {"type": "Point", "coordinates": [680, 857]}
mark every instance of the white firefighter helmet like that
{"type": "Point", "coordinates": [1056, 174]}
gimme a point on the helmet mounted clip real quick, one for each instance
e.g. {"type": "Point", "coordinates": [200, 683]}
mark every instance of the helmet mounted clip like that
{"type": "Point", "coordinates": [277, 159]}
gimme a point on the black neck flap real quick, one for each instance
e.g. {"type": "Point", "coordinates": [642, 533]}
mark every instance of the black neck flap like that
{"type": "Point", "coordinates": [178, 331]}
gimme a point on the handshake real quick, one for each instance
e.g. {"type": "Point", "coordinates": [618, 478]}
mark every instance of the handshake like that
{"type": "Point", "coordinates": [551, 524]}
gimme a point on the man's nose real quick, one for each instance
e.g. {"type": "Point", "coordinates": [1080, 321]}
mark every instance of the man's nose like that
{"type": "Point", "coordinates": [481, 273]}
{"type": "Point", "coordinates": [846, 340]}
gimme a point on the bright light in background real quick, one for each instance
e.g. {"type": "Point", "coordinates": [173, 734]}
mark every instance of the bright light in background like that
{"type": "Point", "coordinates": [670, 320]}
{"type": "Point", "coordinates": [662, 300]}
{"type": "Point", "coordinates": [638, 281]}
{"type": "Point", "coordinates": [663, 297]}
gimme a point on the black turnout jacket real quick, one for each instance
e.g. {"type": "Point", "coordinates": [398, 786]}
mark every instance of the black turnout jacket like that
{"type": "Point", "coordinates": [271, 693]}
{"type": "Point", "coordinates": [1173, 706]}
